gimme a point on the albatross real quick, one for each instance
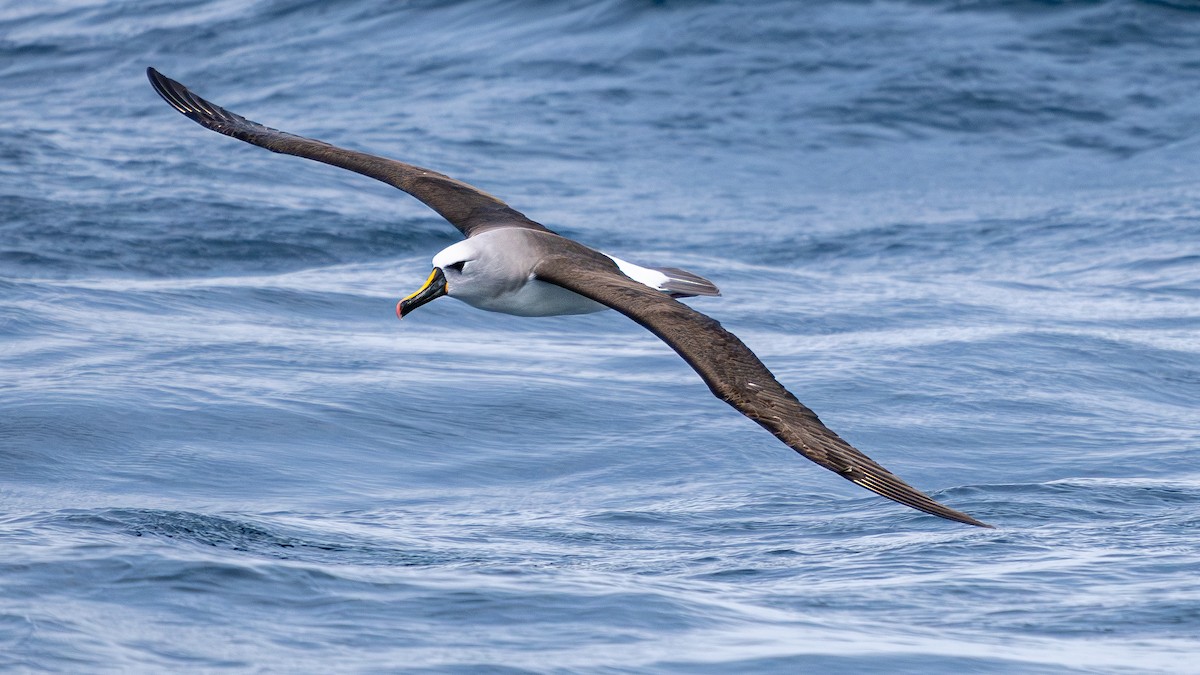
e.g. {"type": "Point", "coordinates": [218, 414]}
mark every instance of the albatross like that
{"type": "Point", "coordinates": [509, 263]}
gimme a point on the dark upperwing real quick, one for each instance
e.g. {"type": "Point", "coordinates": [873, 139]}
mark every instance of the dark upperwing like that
{"type": "Point", "coordinates": [469, 209]}
{"type": "Point", "coordinates": [735, 375]}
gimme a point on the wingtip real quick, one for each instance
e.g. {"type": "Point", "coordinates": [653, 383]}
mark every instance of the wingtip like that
{"type": "Point", "coordinates": [943, 511]}
{"type": "Point", "coordinates": [886, 484]}
{"type": "Point", "coordinates": [187, 103]}
{"type": "Point", "coordinates": [968, 520]}
{"type": "Point", "coordinates": [157, 79]}
{"type": "Point", "coordinates": [165, 88]}
{"type": "Point", "coordinates": [953, 514]}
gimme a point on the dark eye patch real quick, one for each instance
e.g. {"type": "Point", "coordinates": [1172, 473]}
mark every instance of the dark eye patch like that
{"type": "Point", "coordinates": [458, 266]}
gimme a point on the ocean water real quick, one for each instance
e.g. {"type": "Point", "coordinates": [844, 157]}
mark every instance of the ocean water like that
{"type": "Point", "coordinates": [966, 233]}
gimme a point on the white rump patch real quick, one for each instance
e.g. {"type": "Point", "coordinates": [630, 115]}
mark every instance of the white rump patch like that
{"type": "Point", "coordinates": [679, 283]}
{"type": "Point", "coordinates": [643, 275]}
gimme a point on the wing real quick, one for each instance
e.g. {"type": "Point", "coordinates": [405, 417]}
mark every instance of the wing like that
{"type": "Point", "coordinates": [469, 209]}
{"type": "Point", "coordinates": [735, 375]}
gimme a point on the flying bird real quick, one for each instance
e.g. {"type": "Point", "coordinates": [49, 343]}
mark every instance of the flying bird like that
{"type": "Point", "coordinates": [509, 263]}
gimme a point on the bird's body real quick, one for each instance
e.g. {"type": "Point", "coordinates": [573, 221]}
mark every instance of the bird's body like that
{"type": "Point", "coordinates": [494, 271]}
{"type": "Point", "coordinates": [511, 264]}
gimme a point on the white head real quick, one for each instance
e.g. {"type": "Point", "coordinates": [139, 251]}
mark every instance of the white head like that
{"type": "Point", "coordinates": [494, 271]}
{"type": "Point", "coordinates": [468, 271]}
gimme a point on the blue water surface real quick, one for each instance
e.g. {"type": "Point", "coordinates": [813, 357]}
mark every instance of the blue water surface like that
{"type": "Point", "coordinates": [966, 233]}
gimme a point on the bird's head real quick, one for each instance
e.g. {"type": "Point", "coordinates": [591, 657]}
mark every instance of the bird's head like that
{"type": "Point", "coordinates": [459, 271]}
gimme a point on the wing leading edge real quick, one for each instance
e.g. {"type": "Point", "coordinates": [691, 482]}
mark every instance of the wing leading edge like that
{"type": "Point", "coordinates": [469, 209]}
{"type": "Point", "coordinates": [735, 375]}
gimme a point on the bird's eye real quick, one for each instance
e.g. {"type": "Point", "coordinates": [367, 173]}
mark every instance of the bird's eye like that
{"type": "Point", "coordinates": [458, 266]}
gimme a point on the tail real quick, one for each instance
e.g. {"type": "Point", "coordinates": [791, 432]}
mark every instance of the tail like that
{"type": "Point", "coordinates": [671, 280]}
{"type": "Point", "coordinates": [684, 284]}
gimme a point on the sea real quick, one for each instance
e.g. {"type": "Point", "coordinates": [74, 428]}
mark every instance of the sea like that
{"type": "Point", "coordinates": [965, 232]}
